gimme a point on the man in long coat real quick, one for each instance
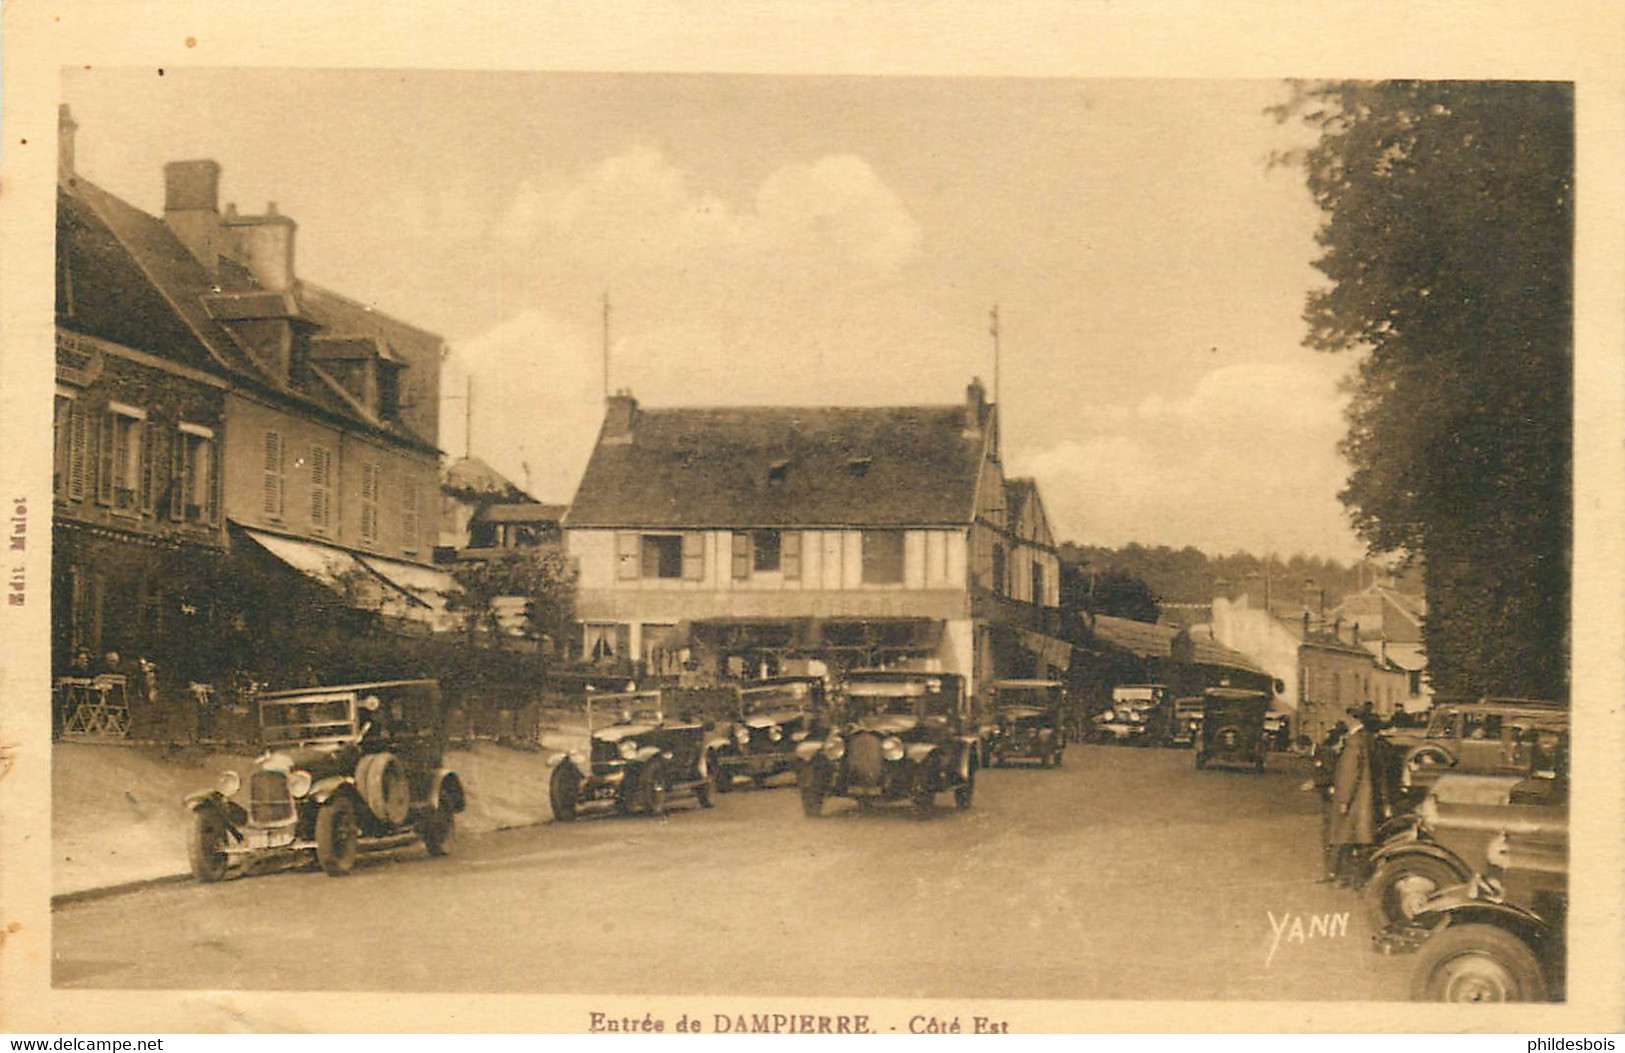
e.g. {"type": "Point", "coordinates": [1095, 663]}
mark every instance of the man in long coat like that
{"type": "Point", "coordinates": [1354, 798]}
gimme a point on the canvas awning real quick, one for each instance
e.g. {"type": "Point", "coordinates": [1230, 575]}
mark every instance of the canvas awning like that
{"type": "Point", "coordinates": [407, 592]}
{"type": "Point", "coordinates": [1057, 653]}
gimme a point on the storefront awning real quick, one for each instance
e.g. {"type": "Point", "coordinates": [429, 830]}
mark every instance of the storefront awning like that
{"type": "Point", "coordinates": [1057, 653]}
{"type": "Point", "coordinates": [406, 592]}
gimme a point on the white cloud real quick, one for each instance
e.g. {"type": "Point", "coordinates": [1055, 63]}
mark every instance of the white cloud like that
{"type": "Point", "coordinates": [1241, 462]}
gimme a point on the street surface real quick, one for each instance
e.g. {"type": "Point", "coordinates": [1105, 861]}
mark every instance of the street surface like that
{"type": "Point", "coordinates": [1125, 874]}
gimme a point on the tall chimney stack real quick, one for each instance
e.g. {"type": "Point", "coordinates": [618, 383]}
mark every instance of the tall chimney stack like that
{"type": "Point", "coordinates": [975, 404]}
{"type": "Point", "coordinates": [66, 129]}
{"type": "Point", "coordinates": [192, 208]}
{"type": "Point", "coordinates": [263, 244]}
{"type": "Point", "coordinates": [620, 416]}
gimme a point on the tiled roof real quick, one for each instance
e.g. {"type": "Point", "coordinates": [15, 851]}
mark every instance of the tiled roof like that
{"type": "Point", "coordinates": [1146, 640]}
{"type": "Point", "coordinates": [132, 282]}
{"type": "Point", "coordinates": [779, 466]}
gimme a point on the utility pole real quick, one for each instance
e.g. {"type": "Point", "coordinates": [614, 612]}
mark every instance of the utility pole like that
{"type": "Point", "coordinates": [468, 419]}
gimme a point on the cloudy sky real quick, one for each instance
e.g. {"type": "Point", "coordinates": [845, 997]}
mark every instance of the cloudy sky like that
{"type": "Point", "coordinates": [811, 240]}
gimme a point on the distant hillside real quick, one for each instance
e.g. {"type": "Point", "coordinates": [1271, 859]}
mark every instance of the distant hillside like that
{"type": "Point", "coordinates": [1187, 575]}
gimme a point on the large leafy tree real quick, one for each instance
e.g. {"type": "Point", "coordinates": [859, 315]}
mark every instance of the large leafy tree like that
{"type": "Point", "coordinates": [1448, 242]}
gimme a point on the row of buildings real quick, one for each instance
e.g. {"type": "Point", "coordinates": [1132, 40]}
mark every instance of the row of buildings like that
{"type": "Point", "coordinates": [216, 410]}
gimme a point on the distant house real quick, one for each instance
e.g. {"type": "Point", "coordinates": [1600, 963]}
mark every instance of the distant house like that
{"type": "Point", "coordinates": [736, 541]}
{"type": "Point", "coordinates": [208, 399]}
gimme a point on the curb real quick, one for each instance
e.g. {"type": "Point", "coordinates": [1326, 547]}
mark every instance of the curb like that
{"type": "Point", "coordinates": [86, 895]}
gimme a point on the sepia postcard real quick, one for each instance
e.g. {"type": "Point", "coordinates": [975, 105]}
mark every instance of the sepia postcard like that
{"type": "Point", "coordinates": [812, 518]}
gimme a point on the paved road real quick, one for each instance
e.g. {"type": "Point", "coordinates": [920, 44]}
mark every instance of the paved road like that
{"type": "Point", "coordinates": [1125, 874]}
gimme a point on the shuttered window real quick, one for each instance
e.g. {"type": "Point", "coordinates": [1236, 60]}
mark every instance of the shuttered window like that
{"type": "Point", "coordinates": [882, 557]}
{"type": "Point", "coordinates": [371, 484]}
{"type": "Point", "coordinates": [197, 475]}
{"type": "Point", "coordinates": [409, 516]}
{"type": "Point", "coordinates": [78, 452]}
{"type": "Point", "coordinates": [741, 555]}
{"type": "Point", "coordinates": [274, 479]}
{"type": "Point", "coordinates": [147, 465]}
{"type": "Point", "coordinates": [321, 493]}
{"type": "Point", "coordinates": [125, 460]}
{"type": "Point", "coordinates": [174, 499]}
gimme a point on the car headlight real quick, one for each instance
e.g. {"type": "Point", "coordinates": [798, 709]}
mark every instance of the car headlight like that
{"type": "Point", "coordinates": [742, 735]}
{"type": "Point", "coordinates": [230, 783]}
{"type": "Point", "coordinates": [299, 782]}
{"type": "Point", "coordinates": [834, 748]}
{"type": "Point", "coordinates": [775, 733]}
{"type": "Point", "coordinates": [891, 749]}
{"type": "Point", "coordinates": [628, 749]}
{"type": "Point", "coordinates": [799, 735]}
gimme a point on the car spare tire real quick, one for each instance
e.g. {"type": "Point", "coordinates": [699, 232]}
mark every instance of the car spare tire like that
{"type": "Point", "coordinates": [384, 788]}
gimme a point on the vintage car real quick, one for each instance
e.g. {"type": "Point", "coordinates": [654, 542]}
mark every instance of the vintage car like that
{"type": "Point", "coordinates": [345, 768]}
{"type": "Point", "coordinates": [634, 762]}
{"type": "Point", "coordinates": [757, 737]}
{"type": "Point", "coordinates": [902, 736]}
{"type": "Point", "coordinates": [1186, 726]}
{"type": "Point", "coordinates": [1140, 715]}
{"type": "Point", "coordinates": [1025, 722]}
{"type": "Point", "coordinates": [1233, 728]}
{"type": "Point", "coordinates": [1498, 937]}
{"type": "Point", "coordinates": [1434, 847]}
{"type": "Point", "coordinates": [1489, 735]}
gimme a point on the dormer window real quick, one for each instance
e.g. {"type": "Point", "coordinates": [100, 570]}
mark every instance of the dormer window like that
{"type": "Point", "coordinates": [778, 472]}
{"type": "Point", "coordinates": [859, 466]}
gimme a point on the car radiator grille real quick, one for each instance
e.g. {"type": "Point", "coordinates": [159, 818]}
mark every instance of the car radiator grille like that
{"type": "Point", "coordinates": [864, 764]}
{"type": "Point", "coordinates": [268, 798]}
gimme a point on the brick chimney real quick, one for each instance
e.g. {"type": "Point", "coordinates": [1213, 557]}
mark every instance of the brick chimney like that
{"type": "Point", "coordinates": [975, 404]}
{"type": "Point", "coordinates": [620, 416]}
{"type": "Point", "coordinates": [192, 208]}
{"type": "Point", "coordinates": [263, 244]}
{"type": "Point", "coordinates": [66, 129]}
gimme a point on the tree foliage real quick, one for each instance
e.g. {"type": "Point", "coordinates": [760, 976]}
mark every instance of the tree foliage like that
{"type": "Point", "coordinates": [543, 577]}
{"type": "Point", "coordinates": [1448, 245]}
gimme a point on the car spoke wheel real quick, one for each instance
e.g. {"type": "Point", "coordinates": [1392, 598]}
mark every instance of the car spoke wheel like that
{"type": "Point", "coordinates": [207, 849]}
{"type": "Point", "coordinates": [561, 792]}
{"type": "Point", "coordinates": [652, 788]}
{"type": "Point", "coordinates": [336, 836]}
{"type": "Point", "coordinates": [438, 828]}
{"type": "Point", "coordinates": [1401, 885]}
{"type": "Point", "coordinates": [1477, 963]}
{"type": "Point", "coordinates": [811, 779]}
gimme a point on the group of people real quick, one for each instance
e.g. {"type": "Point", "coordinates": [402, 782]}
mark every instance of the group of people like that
{"type": "Point", "coordinates": [1349, 774]}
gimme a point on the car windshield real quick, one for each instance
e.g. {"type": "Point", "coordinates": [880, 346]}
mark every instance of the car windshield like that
{"type": "Point", "coordinates": [306, 718]}
{"type": "Point", "coordinates": [1041, 697]}
{"type": "Point", "coordinates": [1142, 695]}
{"type": "Point", "coordinates": [1442, 724]}
{"type": "Point", "coordinates": [906, 697]}
{"type": "Point", "coordinates": [776, 696]}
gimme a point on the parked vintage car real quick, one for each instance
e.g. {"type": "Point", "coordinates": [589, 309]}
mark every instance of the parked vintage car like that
{"type": "Point", "coordinates": [757, 737]}
{"type": "Point", "coordinates": [345, 768]}
{"type": "Point", "coordinates": [1233, 728]}
{"type": "Point", "coordinates": [902, 736]}
{"type": "Point", "coordinates": [1487, 735]}
{"type": "Point", "coordinates": [1498, 937]}
{"type": "Point", "coordinates": [633, 763]}
{"type": "Point", "coordinates": [1025, 722]}
{"type": "Point", "coordinates": [1140, 715]}
{"type": "Point", "coordinates": [1187, 722]}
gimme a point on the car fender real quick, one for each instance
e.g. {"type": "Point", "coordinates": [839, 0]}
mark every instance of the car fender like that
{"type": "Point", "coordinates": [1521, 923]}
{"type": "Point", "coordinates": [324, 789]}
{"type": "Point", "coordinates": [447, 787]}
{"type": "Point", "coordinates": [213, 800]}
{"type": "Point", "coordinates": [1399, 849]}
{"type": "Point", "coordinates": [1400, 827]}
{"type": "Point", "coordinates": [648, 753]}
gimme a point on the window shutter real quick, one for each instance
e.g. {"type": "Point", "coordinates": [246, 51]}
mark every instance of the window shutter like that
{"type": "Point", "coordinates": [147, 436]}
{"type": "Point", "coordinates": [210, 453]}
{"type": "Point", "coordinates": [273, 474]}
{"type": "Point", "coordinates": [627, 556]}
{"type": "Point", "coordinates": [741, 555]}
{"type": "Point", "coordinates": [651, 558]}
{"type": "Point", "coordinates": [78, 452]}
{"type": "Point", "coordinates": [409, 516]}
{"type": "Point", "coordinates": [790, 555]}
{"type": "Point", "coordinates": [693, 555]}
{"type": "Point", "coordinates": [369, 503]}
{"type": "Point", "coordinates": [105, 459]}
{"type": "Point", "coordinates": [179, 477]}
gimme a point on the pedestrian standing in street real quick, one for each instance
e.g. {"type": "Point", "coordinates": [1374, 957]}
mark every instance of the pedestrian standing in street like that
{"type": "Point", "coordinates": [1325, 766]}
{"type": "Point", "coordinates": [1354, 797]}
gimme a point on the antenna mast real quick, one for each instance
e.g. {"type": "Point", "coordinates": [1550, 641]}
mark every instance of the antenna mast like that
{"type": "Point", "coordinates": [468, 419]}
{"type": "Point", "coordinates": [995, 331]}
{"type": "Point", "coordinates": [606, 344]}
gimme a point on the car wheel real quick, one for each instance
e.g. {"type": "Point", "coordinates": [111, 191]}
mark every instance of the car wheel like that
{"type": "Point", "coordinates": [812, 780]}
{"type": "Point", "coordinates": [336, 836]}
{"type": "Point", "coordinates": [1477, 963]}
{"type": "Point", "coordinates": [965, 793]}
{"type": "Point", "coordinates": [1402, 884]}
{"type": "Point", "coordinates": [652, 790]}
{"type": "Point", "coordinates": [437, 828]}
{"type": "Point", "coordinates": [207, 848]}
{"type": "Point", "coordinates": [561, 792]}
